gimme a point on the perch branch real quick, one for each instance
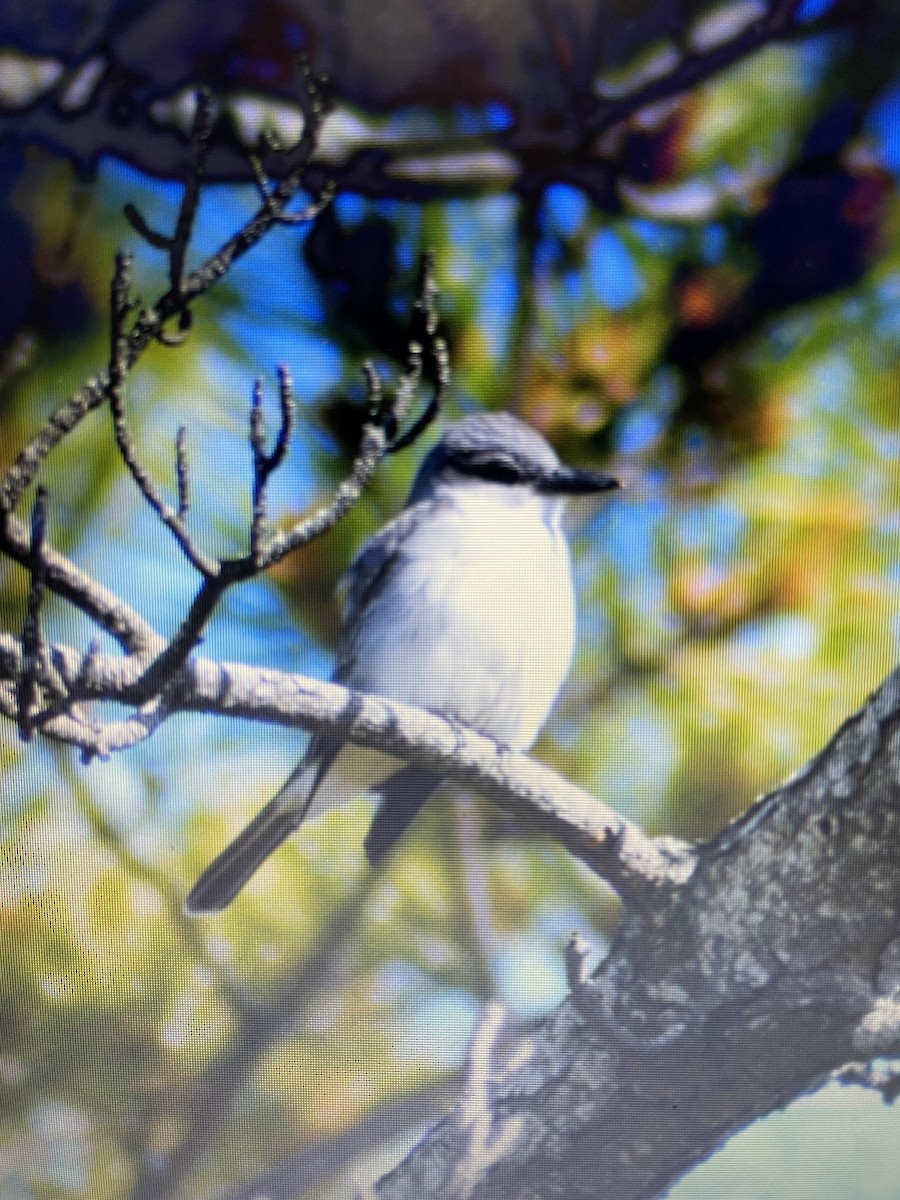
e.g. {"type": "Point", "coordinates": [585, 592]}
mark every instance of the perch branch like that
{"type": "Point", "coordinates": [614, 847]}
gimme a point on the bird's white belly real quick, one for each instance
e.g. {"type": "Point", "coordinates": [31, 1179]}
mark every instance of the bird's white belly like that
{"type": "Point", "coordinates": [477, 623]}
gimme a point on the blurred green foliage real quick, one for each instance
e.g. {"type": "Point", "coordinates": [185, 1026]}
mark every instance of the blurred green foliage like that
{"type": "Point", "coordinates": [738, 602]}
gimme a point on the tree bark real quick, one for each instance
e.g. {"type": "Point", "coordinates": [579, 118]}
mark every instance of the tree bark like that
{"type": "Point", "coordinates": [723, 997]}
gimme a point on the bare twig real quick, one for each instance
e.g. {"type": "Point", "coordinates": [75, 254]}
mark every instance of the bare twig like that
{"type": "Point", "coordinates": [33, 644]}
{"type": "Point", "coordinates": [577, 953]}
{"type": "Point", "coordinates": [204, 118]}
{"type": "Point", "coordinates": [159, 241]}
{"type": "Point", "coordinates": [267, 192]}
{"type": "Point", "coordinates": [174, 303]}
{"type": "Point", "coordinates": [175, 245]}
{"type": "Point", "coordinates": [265, 464]}
{"type": "Point", "coordinates": [373, 447]}
{"type": "Point", "coordinates": [260, 472]}
{"type": "Point", "coordinates": [182, 473]}
{"type": "Point", "coordinates": [424, 341]}
{"type": "Point", "coordinates": [118, 372]}
{"type": "Point", "coordinates": [286, 402]}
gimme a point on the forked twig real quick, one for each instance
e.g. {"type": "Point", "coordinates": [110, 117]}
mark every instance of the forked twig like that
{"type": "Point", "coordinates": [176, 244]}
{"type": "Point", "coordinates": [385, 415]}
{"type": "Point", "coordinates": [264, 464]}
{"type": "Point", "coordinates": [150, 325]}
{"type": "Point", "coordinates": [428, 353]}
{"type": "Point", "coordinates": [172, 518]}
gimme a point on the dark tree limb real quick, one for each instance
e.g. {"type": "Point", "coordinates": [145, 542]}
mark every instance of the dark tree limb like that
{"type": "Point", "coordinates": [775, 961]}
{"type": "Point", "coordinates": [695, 66]}
{"type": "Point", "coordinates": [540, 151]}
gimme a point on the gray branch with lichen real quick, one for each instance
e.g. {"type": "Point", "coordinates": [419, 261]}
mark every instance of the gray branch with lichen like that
{"type": "Point", "coordinates": [753, 979]}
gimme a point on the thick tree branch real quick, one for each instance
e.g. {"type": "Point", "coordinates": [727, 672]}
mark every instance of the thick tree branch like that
{"type": "Point", "coordinates": [536, 152]}
{"type": "Point", "coordinates": [694, 66]}
{"type": "Point", "coordinates": [746, 983]}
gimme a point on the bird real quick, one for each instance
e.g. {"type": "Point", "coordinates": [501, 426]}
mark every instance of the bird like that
{"type": "Point", "coordinates": [463, 604]}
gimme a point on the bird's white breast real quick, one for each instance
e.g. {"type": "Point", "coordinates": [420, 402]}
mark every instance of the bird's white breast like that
{"type": "Point", "coordinates": [477, 618]}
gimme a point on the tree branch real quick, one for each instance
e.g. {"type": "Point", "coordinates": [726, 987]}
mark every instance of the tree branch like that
{"type": "Point", "coordinates": [177, 300]}
{"type": "Point", "coordinates": [173, 519]}
{"type": "Point", "coordinates": [34, 649]}
{"type": "Point", "coordinates": [601, 837]}
{"type": "Point", "coordinates": [768, 966]}
{"type": "Point", "coordinates": [85, 593]}
{"type": "Point", "coordinates": [381, 434]}
{"type": "Point", "coordinates": [695, 66]}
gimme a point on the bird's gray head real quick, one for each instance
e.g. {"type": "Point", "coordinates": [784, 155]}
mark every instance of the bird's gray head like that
{"type": "Point", "coordinates": [498, 448]}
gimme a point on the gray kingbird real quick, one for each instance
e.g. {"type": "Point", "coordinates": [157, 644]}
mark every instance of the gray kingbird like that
{"type": "Point", "coordinates": [464, 605]}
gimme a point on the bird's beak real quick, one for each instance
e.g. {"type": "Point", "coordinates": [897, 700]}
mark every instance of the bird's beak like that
{"type": "Point", "coordinates": [568, 481]}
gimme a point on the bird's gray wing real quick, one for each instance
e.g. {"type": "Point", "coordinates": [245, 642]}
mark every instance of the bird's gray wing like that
{"type": "Point", "coordinates": [227, 874]}
{"type": "Point", "coordinates": [364, 579]}
{"type": "Point", "coordinates": [403, 794]}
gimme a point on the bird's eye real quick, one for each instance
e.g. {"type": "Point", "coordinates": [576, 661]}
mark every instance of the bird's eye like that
{"type": "Point", "coordinates": [494, 468]}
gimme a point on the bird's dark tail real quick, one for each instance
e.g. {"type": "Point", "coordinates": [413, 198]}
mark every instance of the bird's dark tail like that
{"type": "Point", "coordinates": [403, 795]}
{"type": "Point", "coordinates": [227, 874]}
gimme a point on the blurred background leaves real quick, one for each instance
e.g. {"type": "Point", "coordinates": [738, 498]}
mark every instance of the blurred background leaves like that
{"type": "Point", "coordinates": [695, 285]}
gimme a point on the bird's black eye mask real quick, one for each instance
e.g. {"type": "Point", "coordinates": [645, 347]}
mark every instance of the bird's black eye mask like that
{"type": "Point", "coordinates": [495, 468]}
